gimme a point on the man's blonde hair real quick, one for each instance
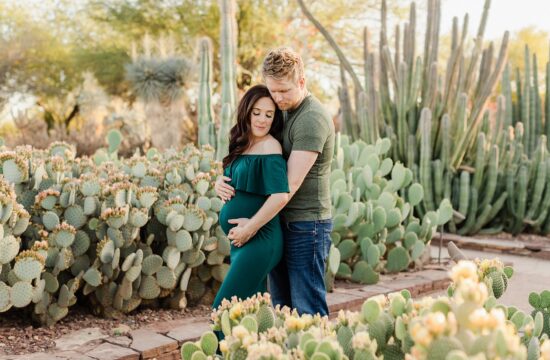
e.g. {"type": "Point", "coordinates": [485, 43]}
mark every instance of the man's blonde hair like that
{"type": "Point", "coordinates": [283, 63]}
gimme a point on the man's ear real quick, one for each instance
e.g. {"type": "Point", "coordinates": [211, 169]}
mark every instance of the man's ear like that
{"type": "Point", "coordinates": [302, 82]}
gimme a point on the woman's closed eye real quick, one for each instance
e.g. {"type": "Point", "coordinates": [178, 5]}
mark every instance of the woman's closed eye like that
{"type": "Point", "coordinates": [268, 115]}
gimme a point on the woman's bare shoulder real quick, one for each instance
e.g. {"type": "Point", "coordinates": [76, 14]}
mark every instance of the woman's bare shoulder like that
{"type": "Point", "coordinates": [271, 146]}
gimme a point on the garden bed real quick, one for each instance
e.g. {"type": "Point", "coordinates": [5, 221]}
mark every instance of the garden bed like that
{"type": "Point", "coordinates": [19, 336]}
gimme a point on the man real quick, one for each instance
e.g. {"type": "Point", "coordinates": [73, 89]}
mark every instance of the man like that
{"type": "Point", "coordinates": [308, 144]}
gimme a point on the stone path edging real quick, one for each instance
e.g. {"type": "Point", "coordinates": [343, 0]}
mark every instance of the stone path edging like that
{"type": "Point", "coordinates": [512, 247]}
{"type": "Point", "coordinates": [162, 341]}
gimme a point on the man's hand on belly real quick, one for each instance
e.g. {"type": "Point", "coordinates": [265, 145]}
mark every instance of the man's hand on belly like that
{"type": "Point", "coordinates": [240, 234]}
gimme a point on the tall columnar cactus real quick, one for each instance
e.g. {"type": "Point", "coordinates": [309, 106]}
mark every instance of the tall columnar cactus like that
{"type": "Point", "coordinates": [223, 134]}
{"type": "Point", "coordinates": [207, 133]}
{"type": "Point", "coordinates": [228, 49]}
{"type": "Point", "coordinates": [434, 119]}
{"type": "Point", "coordinates": [205, 111]}
{"type": "Point", "coordinates": [493, 172]}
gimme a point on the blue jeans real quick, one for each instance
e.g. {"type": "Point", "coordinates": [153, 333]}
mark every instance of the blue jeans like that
{"type": "Point", "coordinates": [298, 281]}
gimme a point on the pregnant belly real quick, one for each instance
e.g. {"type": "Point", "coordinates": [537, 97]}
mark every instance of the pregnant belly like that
{"type": "Point", "coordinates": [242, 205]}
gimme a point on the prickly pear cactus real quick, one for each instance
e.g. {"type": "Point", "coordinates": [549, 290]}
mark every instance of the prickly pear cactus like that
{"type": "Point", "coordinates": [467, 324]}
{"type": "Point", "coordinates": [375, 229]}
{"type": "Point", "coordinates": [541, 309]}
{"type": "Point", "coordinates": [120, 231]}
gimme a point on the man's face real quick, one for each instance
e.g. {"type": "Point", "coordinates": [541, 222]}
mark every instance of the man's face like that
{"type": "Point", "coordinates": [287, 93]}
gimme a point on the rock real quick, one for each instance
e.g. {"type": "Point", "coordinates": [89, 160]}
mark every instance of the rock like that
{"type": "Point", "coordinates": [77, 339]}
{"type": "Point", "coordinates": [108, 351]}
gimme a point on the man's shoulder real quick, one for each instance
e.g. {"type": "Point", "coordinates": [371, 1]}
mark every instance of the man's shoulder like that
{"type": "Point", "coordinates": [315, 106]}
{"type": "Point", "coordinates": [313, 112]}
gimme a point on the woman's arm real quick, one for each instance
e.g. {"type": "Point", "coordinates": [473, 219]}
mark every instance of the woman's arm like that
{"type": "Point", "coordinates": [299, 164]}
{"type": "Point", "coordinates": [246, 229]}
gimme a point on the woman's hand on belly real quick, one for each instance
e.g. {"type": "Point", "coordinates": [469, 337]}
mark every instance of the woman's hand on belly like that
{"type": "Point", "coordinates": [240, 234]}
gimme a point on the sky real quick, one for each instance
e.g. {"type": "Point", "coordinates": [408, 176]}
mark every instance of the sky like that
{"type": "Point", "coordinates": [504, 15]}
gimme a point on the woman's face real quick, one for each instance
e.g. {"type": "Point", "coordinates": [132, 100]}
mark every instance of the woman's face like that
{"type": "Point", "coordinates": [261, 117]}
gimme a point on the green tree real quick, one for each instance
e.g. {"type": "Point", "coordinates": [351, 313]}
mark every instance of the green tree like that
{"type": "Point", "coordinates": [48, 45]}
{"type": "Point", "coordinates": [537, 40]}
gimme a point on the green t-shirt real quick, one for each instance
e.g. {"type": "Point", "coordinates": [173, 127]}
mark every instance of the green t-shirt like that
{"type": "Point", "coordinates": [310, 128]}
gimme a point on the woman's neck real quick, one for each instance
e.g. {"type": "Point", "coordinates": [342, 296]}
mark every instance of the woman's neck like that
{"type": "Point", "coordinates": [254, 141]}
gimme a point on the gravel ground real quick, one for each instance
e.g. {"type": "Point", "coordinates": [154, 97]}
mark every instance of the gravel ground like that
{"type": "Point", "coordinates": [18, 335]}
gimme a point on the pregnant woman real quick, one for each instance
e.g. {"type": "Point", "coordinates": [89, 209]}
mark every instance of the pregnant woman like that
{"type": "Point", "coordinates": [256, 169]}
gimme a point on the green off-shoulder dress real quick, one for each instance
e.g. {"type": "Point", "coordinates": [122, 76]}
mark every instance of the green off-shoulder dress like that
{"type": "Point", "coordinates": [254, 177]}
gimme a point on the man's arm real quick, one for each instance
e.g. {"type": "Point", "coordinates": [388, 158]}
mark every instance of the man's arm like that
{"type": "Point", "coordinates": [299, 164]}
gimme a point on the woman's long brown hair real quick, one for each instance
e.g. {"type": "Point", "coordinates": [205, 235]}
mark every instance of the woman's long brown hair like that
{"type": "Point", "coordinates": [241, 134]}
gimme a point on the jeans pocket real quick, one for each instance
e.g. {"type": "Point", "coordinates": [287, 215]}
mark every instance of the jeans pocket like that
{"type": "Point", "coordinates": [302, 227]}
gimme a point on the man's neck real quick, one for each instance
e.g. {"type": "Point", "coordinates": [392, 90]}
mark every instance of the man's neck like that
{"type": "Point", "coordinates": [305, 93]}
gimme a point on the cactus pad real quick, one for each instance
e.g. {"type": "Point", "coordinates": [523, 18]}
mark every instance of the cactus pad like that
{"type": "Point", "coordinates": [204, 203]}
{"type": "Point", "coordinates": [151, 264]}
{"type": "Point", "coordinates": [28, 265]}
{"type": "Point", "coordinates": [195, 289]}
{"type": "Point", "coordinates": [439, 348]}
{"type": "Point", "coordinates": [81, 243]}
{"type": "Point", "coordinates": [219, 271]}
{"type": "Point", "coordinates": [193, 219]}
{"type": "Point", "coordinates": [171, 256]}
{"type": "Point", "coordinates": [5, 300]}
{"type": "Point", "coordinates": [133, 273]}
{"type": "Point", "coordinates": [188, 349]}
{"type": "Point", "coordinates": [21, 294]}
{"type": "Point", "coordinates": [52, 284]}
{"type": "Point", "coordinates": [347, 248]}
{"type": "Point", "coordinates": [249, 323]}
{"type": "Point", "coordinates": [265, 318]}
{"type": "Point", "coordinates": [497, 282]}
{"type": "Point", "coordinates": [364, 274]}
{"type": "Point", "coordinates": [149, 289]}
{"type": "Point", "coordinates": [166, 278]}
{"type": "Point", "coordinates": [64, 235]}
{"type": "Point", "coordinates": [93, 277]}
{"type": "Point", "coordinates": [415, 194]}
{"type": "Point", "coordinates": [9, 247]}
{"type": "Point", "coordinates": [209, 343]}
{"type": "Point", "coordinates": [106, 250]}
{"type": "Point", "coordinates": [57, 312]}
{"type": "Point", "coordinates": [398, 259]}
{"type": "Point", "coordinates": [139, 217]}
